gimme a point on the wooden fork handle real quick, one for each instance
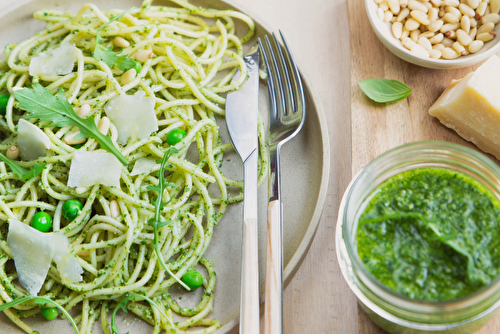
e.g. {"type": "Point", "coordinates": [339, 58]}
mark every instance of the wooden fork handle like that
{"type": "Point", "coordinates": [273, 318]}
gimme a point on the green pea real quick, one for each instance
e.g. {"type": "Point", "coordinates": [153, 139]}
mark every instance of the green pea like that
{"type": "Point", "coordinates": [4, 99]}
{"type": "Point", "coordinates": [71, 209]}
{"type": "Point", "coordinates": [193, 279]}
{"type": "Point", "coordinates": [42, 221]}
{"type": "Point", "coordinates": [49, 313]}
{"type": "Point", "coordinates": [175, 136]}
{"type": "Point", "coordinates": [137, 66]}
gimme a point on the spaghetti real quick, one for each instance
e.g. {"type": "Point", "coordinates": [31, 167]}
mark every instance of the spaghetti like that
{"type": "Point", "coordinates": [193, 54]}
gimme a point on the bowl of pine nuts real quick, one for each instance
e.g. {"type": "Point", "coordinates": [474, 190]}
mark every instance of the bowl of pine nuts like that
{"type": "Point", "coordinates": [437, 34]}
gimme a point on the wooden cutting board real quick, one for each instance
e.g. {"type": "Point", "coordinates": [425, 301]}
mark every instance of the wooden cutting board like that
{"type": "Point", "coordinates": [377, 128]}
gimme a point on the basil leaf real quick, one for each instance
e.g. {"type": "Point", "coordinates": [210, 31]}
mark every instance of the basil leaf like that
{"type": "Point", "coordinates": [384, 90]}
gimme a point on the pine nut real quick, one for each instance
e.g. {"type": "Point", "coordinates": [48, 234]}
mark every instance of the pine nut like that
{"type": "Point", "coordinates": [420, 17]}
{"type": "Point", "coordinates": [473, 3]}
{"type": "Point", "coordinates": [485, 36]}
{"type": "Point", "coordinates": [415, 5]}
{"type": "Point", "coordinates": [403, 3]}
{"type": "Point", "coordinates": [438, 47]}
{"type": "Point", "coordinates": [394, 6]}
{"type": "Point", "coordinates": [447, 42]}
{"type": "Point", "coordinates": [394, 19]}
{"type": "Point", "coordinates": [414, 35]}
{"type": "Point", "coordinates": [419, 50]}
{"type": "Point", "coordinates": [128, 76]}
{"type": "Point", "coordinates": [481, 9]}
{"type": "Point", "coordinates": [473, 23]}
{"type": "Point", "coordinates": [12, 152]}
{"type": "Point", "coordinates": [411, 24]}
{"type": "Point", "coordinates": [424, 42]}
{"type": "Point", "coordinates": [473, 33]}
{"type": "Point", "coordinates": [466, 10]}
{"type": "Point", "coordinates": [408, 43]}
{"type": "Point", "coordinates": [495, 6]}
{"type": "Point", "coordinates": [69, 139]}
{"type": "Point", "coordinates": [144, 55]}
{"type": "Point", "coordinates": [458, 47]}
{"type": "Point", "coordinates": [380, 14]}
{"type": "Point", "coordinates": [388, 16]}
{"type": "Point", "coordinates": [397, 29]}
{"type": "Point", "coordinates": [84, 110]}
{"type": "Point", "coordinates": [465, 23]}
{"type": "Point", "coordinates": [427, 4]}
{"type": "Point", "coordinates": [433, 14]}
{"type": "Point", "coordinates": [427, 34]}
{"type": "Point", "coordinates": [441, 12]}
{"type": "Point", "coordinates": [475, 46]}
{"type": "Point", "coordinates": [403, 14]}
{"type": "Point", "coordinates": [437, 3]}
{"type": "Point", "coordinates": [449, 53]}
{"type": "Point", "coordinates": [451, 34]}
{"type": "Point", "coordinates": [454, 11]}
{"type": "Point", "coordinates": [495, 18]}
{"type": "Point", "coordinates": [104, 125]}
{"type": "Point", "coordinates": [463, 37]}
{"type": "Point", "coordinates": [449, 27]}
{"type": "Point", "coordinates": [121, 42]}
{"type": "Point", "coordinates": [379, 1]}
{"type": "Point", "coordinates": [435, 54]}
{"type": "Point", "coordinates": [486, 27]}
{"type": "Point", "coordinates": [450, 18]}
{"type": "Point", "coordinates": [453, 3]}
{"type": "Point", "coordinates": [435, 26]}
{"type": "Point", "coordinates": [114, 208]}
{"type": "Point", "coordinates": [405, 33]}
{"type": "Point", "coordinates": [436, 39]}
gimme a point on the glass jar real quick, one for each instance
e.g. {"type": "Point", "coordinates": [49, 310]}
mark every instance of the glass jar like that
{"type": "Point", "coordinates": [391, 311]}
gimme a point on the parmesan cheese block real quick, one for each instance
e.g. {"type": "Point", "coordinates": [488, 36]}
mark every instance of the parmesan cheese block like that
{"type": "Point", "coordinates": [32, 142]}
{"type": "Point", "coordinates": [33, 252]}
{"type": "Point", "coordinates": [143, 166]}
{"type": "Point", "coordinates": [89, 168]}
{"type": "Point", "coordinates": [133, 115]}
{"type": "Point", "coordinates": [471, 107]}
{"type": "Point", "coordinates": [32, 255]}
{"type": "Point", "coordinates": [59, 61]}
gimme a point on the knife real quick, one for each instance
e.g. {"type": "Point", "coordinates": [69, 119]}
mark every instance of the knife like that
{"type": "Point", "coordinates": [241, 121]}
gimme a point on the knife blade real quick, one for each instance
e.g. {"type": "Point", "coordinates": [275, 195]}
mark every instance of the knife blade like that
{"type": "Point", "coordinates": [241, 121]}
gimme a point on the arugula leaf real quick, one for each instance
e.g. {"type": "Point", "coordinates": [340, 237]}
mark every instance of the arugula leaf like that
{"type": "Point", "coordinates": [159, 205]}
{"type": "Point", "coordinates": [41, 104]}
{"type": "Point", "coordinates": [23, 173]}
{"type": "Point", "coordinates": [123, 305]}
{"type": "Point", "coordinates": [37, 169]}
{"type": "Point", "coordinates": [40, 300]}
{"type": "Point", "coordinates": [107, 55]}
{"type": "Point", "coordinates": [384, 90]}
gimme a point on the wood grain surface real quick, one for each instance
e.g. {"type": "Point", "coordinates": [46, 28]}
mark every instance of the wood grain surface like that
{"type": "Point", "coordinates": [334, 43]}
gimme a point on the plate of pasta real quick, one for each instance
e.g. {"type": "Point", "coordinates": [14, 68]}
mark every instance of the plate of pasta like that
{"type": "Point", "coordinates": [120, 193]}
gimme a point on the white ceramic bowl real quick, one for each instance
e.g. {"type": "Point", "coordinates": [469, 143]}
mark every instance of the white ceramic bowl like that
{"type": "Point", "coordinates": [383, 31]}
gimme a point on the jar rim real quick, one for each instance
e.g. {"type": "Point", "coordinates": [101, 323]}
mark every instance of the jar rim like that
{"type": "Point", "coordinates": [346, 251]}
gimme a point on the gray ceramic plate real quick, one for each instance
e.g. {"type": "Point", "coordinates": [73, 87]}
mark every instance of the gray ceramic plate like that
{"type": "Point", "coordinates": [305, 163]}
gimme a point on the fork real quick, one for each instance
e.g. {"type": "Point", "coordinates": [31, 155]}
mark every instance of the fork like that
{"type": "Point", "coordinates": [286, 118]}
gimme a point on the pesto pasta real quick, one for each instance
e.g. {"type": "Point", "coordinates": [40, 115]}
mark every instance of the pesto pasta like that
{"type": "Point", "coordinates": [181, 58]}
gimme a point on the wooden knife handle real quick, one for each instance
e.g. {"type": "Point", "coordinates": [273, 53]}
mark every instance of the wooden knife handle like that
{"type": "Point", "coordinates": [273, 318]}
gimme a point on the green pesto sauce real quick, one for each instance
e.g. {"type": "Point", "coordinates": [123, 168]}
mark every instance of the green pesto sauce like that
{"type": "Point", "coordinates": [431, 234]}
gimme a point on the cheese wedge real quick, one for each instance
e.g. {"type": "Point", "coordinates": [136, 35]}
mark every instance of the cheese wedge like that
{"type": "Point", "coordinates": [471, 107]}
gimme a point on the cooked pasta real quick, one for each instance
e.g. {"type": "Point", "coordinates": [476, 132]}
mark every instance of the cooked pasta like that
{"type": "Point", "coordinates": [187, 58]}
